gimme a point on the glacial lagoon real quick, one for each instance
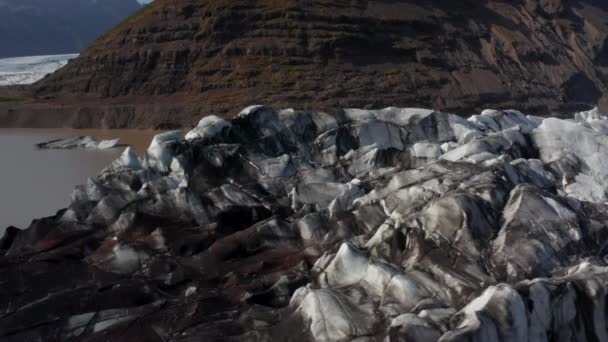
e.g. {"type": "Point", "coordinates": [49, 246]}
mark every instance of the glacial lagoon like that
{"type": "Point", "coordinates": [37, 183]}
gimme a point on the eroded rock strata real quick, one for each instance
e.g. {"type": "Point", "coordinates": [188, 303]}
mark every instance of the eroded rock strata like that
{"type": "Point", "coordinates": [390, 225]}
{"type": "Point", "coordinates": [177, 58]}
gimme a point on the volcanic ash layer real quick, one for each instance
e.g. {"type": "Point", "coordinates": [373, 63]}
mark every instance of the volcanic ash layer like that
{"type": "Point", "coordinates": [373, 225]}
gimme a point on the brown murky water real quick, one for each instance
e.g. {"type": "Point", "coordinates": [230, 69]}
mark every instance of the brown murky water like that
{"type": "Point", "coordinates": [36, 183]}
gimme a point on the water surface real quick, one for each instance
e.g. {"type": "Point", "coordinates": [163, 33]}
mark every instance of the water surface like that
{"type": "Point", "coordinates": [36, 183]}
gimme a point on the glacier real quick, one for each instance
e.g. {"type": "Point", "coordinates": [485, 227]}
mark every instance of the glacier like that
{"type": "Point", "coordinates": [28, 70]}
{"type": "Point", "coordinates": [399, 224]}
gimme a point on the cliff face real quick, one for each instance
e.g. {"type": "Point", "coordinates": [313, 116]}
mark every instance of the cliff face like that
{"type": "Point", "coordinates": [42, 27]}
{"type": "Point", "coordinates": [219, 55]}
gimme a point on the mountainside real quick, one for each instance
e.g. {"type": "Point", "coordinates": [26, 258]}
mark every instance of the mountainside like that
{"type": "Point", "coordinates": [43, 27]}
{"type": "Point", "coordinates": [460, 56]}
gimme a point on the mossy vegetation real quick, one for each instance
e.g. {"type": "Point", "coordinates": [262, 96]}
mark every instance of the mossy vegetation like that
{"type": "Point", "coordinates": [7, 99]}
{"type": "Point", "coordinates": [206, 8]}
{"type": "Point", "coordinates": [202, 28]}
{"type": "Point", "coordinates": [9, 103]}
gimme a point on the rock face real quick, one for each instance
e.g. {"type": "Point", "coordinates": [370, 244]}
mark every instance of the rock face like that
{"type": "Point", "coordinates": [392, 225]}
{"type": "Point", "coordinates": [210, 56]}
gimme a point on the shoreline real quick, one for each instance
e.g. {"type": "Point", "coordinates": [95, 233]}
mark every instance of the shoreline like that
{"type": "Point", "coordinates": [22, 109]}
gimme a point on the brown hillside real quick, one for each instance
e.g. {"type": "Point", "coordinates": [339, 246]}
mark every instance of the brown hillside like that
{"type": "Point", "coordinates": [177, 59]}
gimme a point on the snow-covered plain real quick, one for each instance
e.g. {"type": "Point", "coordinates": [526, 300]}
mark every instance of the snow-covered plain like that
{"type": "Point", "coordinates": [27, 70]}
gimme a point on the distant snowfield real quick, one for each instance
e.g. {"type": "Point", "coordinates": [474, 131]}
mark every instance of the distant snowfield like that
{"type": "Point", "coordinates": [27, 70]}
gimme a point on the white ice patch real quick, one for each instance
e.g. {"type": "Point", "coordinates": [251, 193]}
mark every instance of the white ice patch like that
{"type": "Point", "coordinates": [27, 70]}
{"type": "Point", "coordinates": [559, 140]}
{"type": "Point", "coordinates": [208, 127]}
{"type": "Point", "coordinates": [332, 316]}
{"type": "Point", "coordinates": [590, 115]}
{"type": "Point", "coordinates": [501, 303]}
{"type": "Point", "coordinates": [496, 120]}
{"type": "Point", "coordinates": [396, 116]}
{"type": "Point", "coordinates": [160, 153]}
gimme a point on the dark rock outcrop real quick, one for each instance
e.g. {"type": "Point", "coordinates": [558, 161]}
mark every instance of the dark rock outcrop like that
{"type": "Point", "coordinates": [393, 225]}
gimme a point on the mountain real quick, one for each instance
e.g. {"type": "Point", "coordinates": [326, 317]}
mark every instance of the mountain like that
{"type": "Point", "coordinates": [43, 27]}
{"type": "Point", "coordinates": [176, 59]}
{"type": "Point", "coordinates": [179, 58]}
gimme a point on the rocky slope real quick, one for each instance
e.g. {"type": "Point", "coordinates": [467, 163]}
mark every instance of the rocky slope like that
{"type": "Point", "coordinates": [370, 225]}
{"type": "Point", "coordinates": [206, 57]}
{"type": "Point", "coordinates": [42, 27]}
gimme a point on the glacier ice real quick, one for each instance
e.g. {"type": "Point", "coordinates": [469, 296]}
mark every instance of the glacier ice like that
{"type": "Point", "coordinates": [399, 224]}
{"type": "Point", "coordinates": [27, 70]}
